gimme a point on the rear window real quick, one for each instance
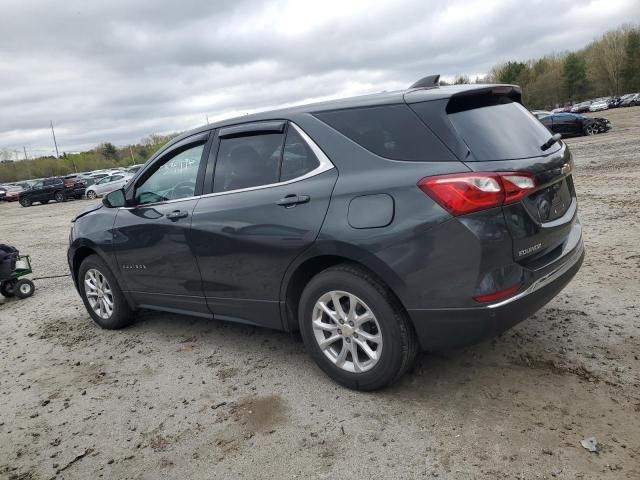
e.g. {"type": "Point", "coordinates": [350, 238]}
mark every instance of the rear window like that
{"type": "Point", "coordinates": [390, 131]}
{"type": "Point", "coordinates": [497, 128]}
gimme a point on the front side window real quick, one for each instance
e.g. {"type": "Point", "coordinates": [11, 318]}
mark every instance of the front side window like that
{"type": "Point", "coordinates": [175, 178]}
{"type": "Point", "coordinates": [248, 161]}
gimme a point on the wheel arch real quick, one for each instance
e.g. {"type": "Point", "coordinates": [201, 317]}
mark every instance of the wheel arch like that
{"type": "Point", "coordinates": [82, 251]}
{"type": "Point", "coordinates": [299, 276]}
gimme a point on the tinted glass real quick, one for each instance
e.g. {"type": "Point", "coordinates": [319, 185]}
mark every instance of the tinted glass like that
{"type": "Point", "coordinates": [498, 128]}
{"type": "Point", "coordinates": [391, 131]}
{"type": "Point", "coordinates": [297, 158]}
{"type": "Point", "coordinates": [247, 161]}
{"type": "Point", "coordinates": [174, 179]}
{"type": "Point", "coordinates": [115, 178]}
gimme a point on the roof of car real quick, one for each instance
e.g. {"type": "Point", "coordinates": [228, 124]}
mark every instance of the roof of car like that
{"type": "Point", "coordinates": [411, 95]}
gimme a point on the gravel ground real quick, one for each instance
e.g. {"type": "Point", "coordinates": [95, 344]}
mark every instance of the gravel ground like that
{"type": "Point", "coordinates": [178, 397]}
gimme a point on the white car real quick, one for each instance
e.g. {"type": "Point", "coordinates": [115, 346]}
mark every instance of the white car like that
{"type": "Point", "coordinates": [107, 185]}
{"type": "Point", "coordinates": [599, 105]}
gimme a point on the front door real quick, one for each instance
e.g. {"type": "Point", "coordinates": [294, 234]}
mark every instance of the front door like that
{"type": "Point", "coordinates": [269, 196]}
{"type": "Point", "coordinates": [151, 236]}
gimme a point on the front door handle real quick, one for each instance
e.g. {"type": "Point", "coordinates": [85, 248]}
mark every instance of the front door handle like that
{"type": "Point", "coordinates": [292, 200]}
{"type": "Point", "coordinates": [177, 214]}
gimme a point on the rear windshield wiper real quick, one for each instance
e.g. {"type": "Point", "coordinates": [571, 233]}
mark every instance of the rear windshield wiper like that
{"type": "Point", "coordinates": [551, 141]}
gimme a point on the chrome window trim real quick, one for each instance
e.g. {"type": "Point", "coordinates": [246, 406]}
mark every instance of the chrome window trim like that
{"type": "Point", "coordinates": [324, 166]}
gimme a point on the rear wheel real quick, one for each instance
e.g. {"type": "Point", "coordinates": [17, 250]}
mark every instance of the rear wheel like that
{"type": "Point", "coordinates": [60, 197]}
{"type": "Point", "coordinates": [24, 288]}
{"type": "Point", "coordinates": [102, 296]}
{"type": "Point", "coordinates": [355, 329]}
{"type": "Point", "coordinates": [26, 202]}
{"type": "Point", "coordinates": [7, 289]}
{"type": "Point", "coordinates": [91, 195]}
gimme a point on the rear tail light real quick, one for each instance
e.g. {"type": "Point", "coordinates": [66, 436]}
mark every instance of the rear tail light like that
{"type": "Point", "coordinates": [68, 184]}
{"type": "Point", "coordinates": [463, 193]}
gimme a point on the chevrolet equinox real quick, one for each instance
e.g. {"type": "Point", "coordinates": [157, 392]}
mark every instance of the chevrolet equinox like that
{"type": "Point", "coordinates": [377, 226]}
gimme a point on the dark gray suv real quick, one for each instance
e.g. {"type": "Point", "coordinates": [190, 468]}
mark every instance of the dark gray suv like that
{"type": "Point", "coordinates": [377, 226]}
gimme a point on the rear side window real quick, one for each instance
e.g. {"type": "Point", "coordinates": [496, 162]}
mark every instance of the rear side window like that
{"type": "Point", "coordinates": [248, 161]}
{"type": "Point", "coordinates": [297, 158]}
{"type": "Point", "coordinates": [390, 131]}
{"type": "Point", "coordinates": [497, 128]}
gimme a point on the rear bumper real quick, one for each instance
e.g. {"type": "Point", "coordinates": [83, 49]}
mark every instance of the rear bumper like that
{"type": "Point", "coordinates": [451, 327]}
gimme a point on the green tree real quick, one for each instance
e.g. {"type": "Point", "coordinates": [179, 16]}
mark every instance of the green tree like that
{"type": "Point", "coordinates": [509, 72]}
{"type": "Point", "coordinates": [574, 74]}
{"type": "Point", "coordinates": [631, 67]}
{"type": "Point", "coordinates": [109, 151]}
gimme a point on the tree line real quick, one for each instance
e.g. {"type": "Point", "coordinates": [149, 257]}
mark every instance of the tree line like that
{"type": "Point", "coordinates": [101, 157]}
{"type": "Point", "coordinates": [610, 65]}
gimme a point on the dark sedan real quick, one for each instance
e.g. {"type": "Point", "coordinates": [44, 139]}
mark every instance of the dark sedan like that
{"type": "Point", "coordinates": [571, 124]}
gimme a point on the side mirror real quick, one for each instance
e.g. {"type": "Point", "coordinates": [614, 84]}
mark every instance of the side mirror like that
{"type": "Point", "coordinates": [114, 199]}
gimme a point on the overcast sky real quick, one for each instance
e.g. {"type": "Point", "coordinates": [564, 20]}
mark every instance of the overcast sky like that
{"type": "Point", "coordinates": [118, 70]}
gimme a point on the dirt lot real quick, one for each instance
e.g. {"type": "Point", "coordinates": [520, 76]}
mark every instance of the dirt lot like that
{"type": "Point", "coordinates": [177, 397]}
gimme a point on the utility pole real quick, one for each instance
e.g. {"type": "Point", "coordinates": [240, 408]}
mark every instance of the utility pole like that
{"type": "Point", "coordinates": [133, 161]}
{"type": "Point", "coordinates": [25, 152]}
{"type": "Point", "coordinates": [54, 139]}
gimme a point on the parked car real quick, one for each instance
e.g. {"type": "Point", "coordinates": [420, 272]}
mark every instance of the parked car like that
{"type": "Point", "coordinates": [582, 107]}
{"type": "Point", "coordinates": [13, 193]}
{"type": "Point", "coordinates": [631, 100]}
{"type": "Point", "coordinates": [376, 225]}
{"type": "Point", "coordinates": [571, 124]}
{"type": "Point", "coordinates": [106, 185]}
{"type": "Point", "coordinates": [48, 189]}
{"type": "Point", "coordinates": [3, 192]}
{"type": "Point", "coordinates": [599, 105]}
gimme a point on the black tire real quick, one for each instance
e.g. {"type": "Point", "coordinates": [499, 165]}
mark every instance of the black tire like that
{"type": "Point", "coordinates": [7, 289]}
{"type": "Point", "coordinates": [24, 288]}
{"type": "Point", "coordinates": [59, 197]}
{"type": "Point", "coordinates": [26, 202]}
{"type": "Point", "coordinates": [590, 129]}
{"type": "Point", "coordinates": [400, 345]}
{"type": "Point", "coordinates": [122, 315]}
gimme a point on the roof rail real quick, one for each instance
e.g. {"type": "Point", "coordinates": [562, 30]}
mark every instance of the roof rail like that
{"type": "Point", "coordinates": [430, 81]}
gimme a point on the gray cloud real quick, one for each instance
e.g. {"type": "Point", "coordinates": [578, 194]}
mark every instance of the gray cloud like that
{"type": "Point", "coordinates": [119, 70]}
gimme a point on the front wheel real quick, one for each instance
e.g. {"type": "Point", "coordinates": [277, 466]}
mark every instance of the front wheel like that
{"type": "Point", "coordinates": [60, 197]}
{"type": "Point", "coordinates": [102, 296]}
{"type": "Point", "coordinates": [24, 288]}
{"type": "Point", "coordinates": [355, 329]}
{"type": "Point", "coordinates": [590, 130]}
{"type": "Point", "coordinates": [25, 202]}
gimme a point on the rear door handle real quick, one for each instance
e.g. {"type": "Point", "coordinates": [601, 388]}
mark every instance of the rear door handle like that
{"type": "Point", "coordinates": [177, 214]}
{"type": "Point", "coordinates": [292, 200]}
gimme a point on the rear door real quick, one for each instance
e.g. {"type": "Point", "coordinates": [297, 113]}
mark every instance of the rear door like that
{"type": "Point", "coordinates": [152, 235]}
{"type": "Point", "coordinates": [500, 135]}
{"type": "Point", "coordinates": [268, 198]}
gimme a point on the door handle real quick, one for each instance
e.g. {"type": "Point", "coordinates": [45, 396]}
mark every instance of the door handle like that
{"type": "Point", "coordinates": [293, 200]}
{"type": "Point", "coordinates": [177, 214]}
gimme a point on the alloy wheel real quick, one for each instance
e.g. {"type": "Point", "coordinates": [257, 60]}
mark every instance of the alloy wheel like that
{"type": "Point", "coordinates": [98, 293]}
{"type": "Point", "coordinates": [91, 195]}
{"type": "Point", "coordinates": [347, 331]}
{"type": "Point", "coordinates": [59, 197]}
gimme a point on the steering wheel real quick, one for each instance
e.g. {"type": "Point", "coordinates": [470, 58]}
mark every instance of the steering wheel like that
{"type": "Point", "coordinates": [183, 189]}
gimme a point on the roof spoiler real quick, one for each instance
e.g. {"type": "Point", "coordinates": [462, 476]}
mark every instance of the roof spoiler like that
{"type": "Point", "coordinates": [430, 81]}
